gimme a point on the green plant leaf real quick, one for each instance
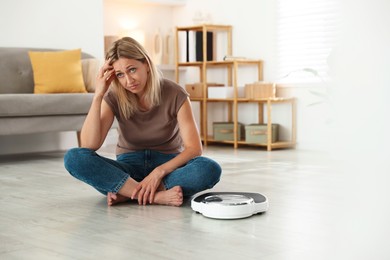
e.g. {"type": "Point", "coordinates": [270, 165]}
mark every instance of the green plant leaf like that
{"type": "Point", "coordinates": [312, 71]}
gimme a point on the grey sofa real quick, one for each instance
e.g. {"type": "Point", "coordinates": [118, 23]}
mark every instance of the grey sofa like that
{"type": "Point", "coordinates": [23, 112]}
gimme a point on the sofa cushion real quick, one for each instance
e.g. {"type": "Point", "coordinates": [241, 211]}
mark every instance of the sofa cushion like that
{"type": "Point", "coordinates": [57, 71]}
{"type": "Point", "coordinates": [91, 69]}
{"type": "Point", "coordinates": [14, 105]}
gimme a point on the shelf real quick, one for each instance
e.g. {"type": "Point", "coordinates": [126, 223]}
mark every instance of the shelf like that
{"type": "Point", "coordinates": [245, 100]}
{"type": "Point", "coordinates": [190, 64]}
{"type": "Point", "coordinates": [277, 144]}
{"type": "Point", "coordinates": [220, 63]}
{"type": "Point", "coordinates": [232, 66]}
{"type": "Point", "coordinates": [208, 27]}
{"type": "Point", "coordinates": [268, 102]}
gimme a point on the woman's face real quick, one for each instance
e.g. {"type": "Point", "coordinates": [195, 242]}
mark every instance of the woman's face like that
{"type": "Point", "coordinates": [132, 74]}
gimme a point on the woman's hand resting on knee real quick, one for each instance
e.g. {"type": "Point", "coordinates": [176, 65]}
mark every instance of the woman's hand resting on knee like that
{"type": "Point", "coordinates": [146, 189]}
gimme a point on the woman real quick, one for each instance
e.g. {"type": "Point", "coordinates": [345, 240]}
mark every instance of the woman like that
{"type": "Point", "coordinates": [159, 149]}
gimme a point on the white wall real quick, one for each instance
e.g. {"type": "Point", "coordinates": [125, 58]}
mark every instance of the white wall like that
{"type": "Point", "coordinates": [362, 128]}
{"type": "Point", "coordinates": [62, 24]}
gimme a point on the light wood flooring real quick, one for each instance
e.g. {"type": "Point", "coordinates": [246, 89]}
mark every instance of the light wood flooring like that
{"type": "Point", "coordinates": [47, 214]}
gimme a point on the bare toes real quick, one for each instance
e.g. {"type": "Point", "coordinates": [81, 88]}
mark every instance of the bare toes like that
{"type": "Point", "coordinates": [113, 198]}
{"type": "Point", "coordinates": [171, 197]}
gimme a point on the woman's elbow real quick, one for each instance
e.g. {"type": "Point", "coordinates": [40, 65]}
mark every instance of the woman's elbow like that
{"type": "Point", "coordinates": [95, 148]}
{"type": "Point", "coordinates": [90, 145]}
{"type": "Point", "coordinates": [198, 151]}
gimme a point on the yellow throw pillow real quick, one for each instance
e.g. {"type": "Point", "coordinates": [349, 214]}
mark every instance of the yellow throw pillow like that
{"type": "Point", "coordinates": [57, 72]}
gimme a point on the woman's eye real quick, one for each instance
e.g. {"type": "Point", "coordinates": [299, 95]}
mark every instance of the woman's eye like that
{"type": "Point", "coordinates": [119, 75]}
{"type": "Point", "coordinates": [132, 70]}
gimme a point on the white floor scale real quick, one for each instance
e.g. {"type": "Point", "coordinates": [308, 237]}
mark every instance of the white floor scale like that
{"type": "Point", "coordinates": [229, 205]}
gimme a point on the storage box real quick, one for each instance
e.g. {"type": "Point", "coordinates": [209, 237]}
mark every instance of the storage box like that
{"type": "Point", "coordinates": [260, 90]}
{"type": "Point", "coordinates": [225, 92]}
{"type": "Point", "coordinates": [257, 133]}
{"type": "Point", "coordinates": [196, 90]}
{"type": "Point", "coordinates": [223, 131]}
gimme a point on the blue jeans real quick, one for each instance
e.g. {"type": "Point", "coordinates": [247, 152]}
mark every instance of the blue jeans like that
{"type": "Point", "coordinates": [107, 175]}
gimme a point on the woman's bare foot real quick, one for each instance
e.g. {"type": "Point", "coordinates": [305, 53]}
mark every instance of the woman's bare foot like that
{"type": "Point", "coordinates": [115, 198]}
{"type": "Point", "coordinates": [171, 197]}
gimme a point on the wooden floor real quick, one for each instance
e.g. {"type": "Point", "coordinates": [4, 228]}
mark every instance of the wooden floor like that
{"type": "Point", "coordinates": [46, 214]}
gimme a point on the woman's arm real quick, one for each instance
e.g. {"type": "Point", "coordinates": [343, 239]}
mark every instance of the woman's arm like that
{"type": "Point", "coordinates": [192, 148]}
{"type": "Point", "coordinates": [96, 125]}
{"type": "Point", "coordinates": [100, 116]}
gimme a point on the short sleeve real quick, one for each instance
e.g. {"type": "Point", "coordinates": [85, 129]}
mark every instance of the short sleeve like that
{"type": "Point", "coordinates": [112, 102]}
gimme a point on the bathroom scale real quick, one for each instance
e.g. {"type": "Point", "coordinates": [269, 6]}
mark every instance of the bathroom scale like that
{"type": "Point", "coordinates": [229, 205]}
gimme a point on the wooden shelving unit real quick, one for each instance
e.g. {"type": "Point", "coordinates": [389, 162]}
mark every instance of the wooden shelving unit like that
{"type": "Point", "coordinates": [232, 67]}
{"type": "Point", "coordinates": [267, 104]}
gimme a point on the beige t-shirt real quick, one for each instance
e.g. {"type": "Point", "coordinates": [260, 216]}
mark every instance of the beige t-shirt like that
{"type": "Point", "coordinates": [156, 129]}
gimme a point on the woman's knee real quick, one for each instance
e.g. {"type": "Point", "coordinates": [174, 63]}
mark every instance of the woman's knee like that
{"type": "Point", "coordinates": [215, 169]}
{"type": "Point", "coordinates": [211, 169]}
{"type": "Point", "coordinates": [76, 156]}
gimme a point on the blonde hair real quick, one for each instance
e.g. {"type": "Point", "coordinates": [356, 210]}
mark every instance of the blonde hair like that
{"type": "Point", "coordinates": [129, 48]}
